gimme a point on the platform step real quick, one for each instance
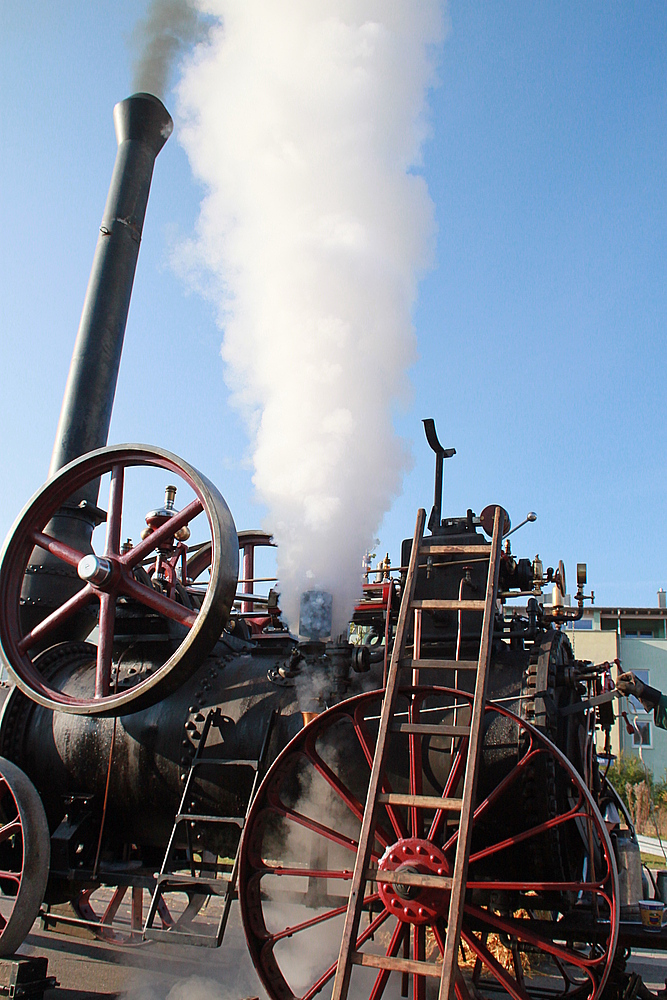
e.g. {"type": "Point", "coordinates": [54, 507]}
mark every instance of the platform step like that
{"type": "Point", "coordinates": [202, 818]}
{"type": "Point", "coordinates": [425, 664]}
{"type": "Point", "coordinates": [441, 548]}
{"type": "Point", "coordinates": [396, 964]}
{"type": "Point", "coordinates": [409, 878]}
{"type": "Point", "coordinates": [441, 605]}
{"type": "Point", "coordinates": [421, 801]}
{"type": "Point", "coordinates": [218, 761]}
{"type": "Point", "coordinates": [219, 886]}
{"type": "Point", "coordinates": [173, 936]}
{"type": "Point", "coordinates": [429, 729]}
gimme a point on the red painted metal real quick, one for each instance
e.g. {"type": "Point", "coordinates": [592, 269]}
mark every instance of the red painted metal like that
{"type": "Point", "coordinates": [101, 917]}
{"type": "Point", "coordinates": [421, 857]}
{"type": "Point", "coordinates": [119, 582]}
{"type": "Point", "coordinates": [314, 786]}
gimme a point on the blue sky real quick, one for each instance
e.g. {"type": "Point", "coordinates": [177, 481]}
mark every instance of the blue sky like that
{"type": "Point", "coordinates": [541, 327]}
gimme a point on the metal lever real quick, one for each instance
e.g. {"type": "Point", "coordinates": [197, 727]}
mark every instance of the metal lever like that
{"type": "Point", "coordinates": [440, 454]}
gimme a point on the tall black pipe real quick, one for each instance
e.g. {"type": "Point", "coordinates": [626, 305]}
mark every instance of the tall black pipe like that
{"type": "Point", "coordinates": [143, 125]}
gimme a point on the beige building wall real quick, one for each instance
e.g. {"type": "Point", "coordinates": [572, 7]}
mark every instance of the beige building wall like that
{"type": "Point", "coordinates": [598, 647]}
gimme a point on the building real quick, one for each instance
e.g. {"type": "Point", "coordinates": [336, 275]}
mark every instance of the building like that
{"type": "Point", "coordinates": [638, 638]}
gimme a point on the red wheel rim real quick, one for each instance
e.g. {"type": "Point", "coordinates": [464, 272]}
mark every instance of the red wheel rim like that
{"type": "Point", "coordinates": [204, 626]}
{"type": "Point", "coordinates": [526, 936]}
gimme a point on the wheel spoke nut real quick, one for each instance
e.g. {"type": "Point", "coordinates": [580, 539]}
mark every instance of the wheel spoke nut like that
{"type": "Point", "coordinates": [94, 569]}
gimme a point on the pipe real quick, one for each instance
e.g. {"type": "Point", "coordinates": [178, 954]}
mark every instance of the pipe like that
{"type": "Point", "coordinates": [143, 125]}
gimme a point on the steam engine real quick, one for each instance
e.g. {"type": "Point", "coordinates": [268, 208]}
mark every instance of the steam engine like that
{"type": "Point", "coordinates": [120, 650]}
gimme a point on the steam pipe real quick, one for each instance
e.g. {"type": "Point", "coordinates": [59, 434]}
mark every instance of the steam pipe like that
{"type": "Point", "coordinates": [143, 125]}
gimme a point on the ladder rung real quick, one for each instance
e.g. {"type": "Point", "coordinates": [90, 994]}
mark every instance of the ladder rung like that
{"type": "Point", "coordinates": [173, 935]}
{"type": "Point", "coordinates": [426, 729]}
{"type": "Point", "coordinates": [409, 664]}
{"type": "Point", "coordinates": [434, 605]}
{"type": "Point", "coordinates": [422, 801]}
{"type": "Point", "coordinates": [200, 818]}
{"type": "Point", "coordinates": [441, 548]}
{"type": "Point", "coordinates": [409, 878]}
{"type": "Point", "coordinates": [218, 886]}
{"type": "Point", "coordinates": [254, 764]}
{"type": "Point", "coordinates": [396, 964]}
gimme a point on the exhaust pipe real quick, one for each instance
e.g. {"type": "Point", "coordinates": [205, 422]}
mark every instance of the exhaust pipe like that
{"type": "Point", "coordinates": [143, 125]}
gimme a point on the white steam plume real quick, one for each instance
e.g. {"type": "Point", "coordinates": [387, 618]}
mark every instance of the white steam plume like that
{"type": "Point", "coordinates": [304, 120]}
{"type": "Point", "coordinates": [169, 28]}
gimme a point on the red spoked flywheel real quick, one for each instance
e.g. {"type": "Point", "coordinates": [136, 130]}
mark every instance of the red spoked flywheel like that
{"type": "Point", "coordinates": [115, 575]}
{"type": "Point", "coordinates": [540, 916]}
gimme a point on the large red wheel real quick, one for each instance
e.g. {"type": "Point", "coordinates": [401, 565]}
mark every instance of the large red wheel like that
{"type": "Point", "coordinates": [531, 927]}
{"type": "Point", "coordinates": [116, 577]}
{"type": "Point", "coordinates": [24, 856]}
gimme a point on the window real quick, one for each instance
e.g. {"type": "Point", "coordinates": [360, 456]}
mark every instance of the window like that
{"type": "Point", "coordinates": [643, 737]}
{"type": "Point", "coordinates": [636, 704]}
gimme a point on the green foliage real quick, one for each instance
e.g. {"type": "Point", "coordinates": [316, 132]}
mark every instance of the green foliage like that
{"type": "Point", "coordinates": [629, 769]}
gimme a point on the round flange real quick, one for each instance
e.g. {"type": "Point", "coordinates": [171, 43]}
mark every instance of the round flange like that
{"type": "Point", "coordinates": [410, 903]}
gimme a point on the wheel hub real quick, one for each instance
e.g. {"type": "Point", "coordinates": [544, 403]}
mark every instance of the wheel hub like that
{"type": "Point", "coordinates": [95, 569]}
{"type": "Point", "coordinates": [414, 904]}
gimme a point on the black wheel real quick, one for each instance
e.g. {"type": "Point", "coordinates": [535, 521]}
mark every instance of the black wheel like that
{"type": "Point", "coordinates": [25, 849]}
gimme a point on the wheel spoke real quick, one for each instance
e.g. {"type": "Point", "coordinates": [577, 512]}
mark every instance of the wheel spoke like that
{"type": "Point", "coordinates": [115, 514]}
{"type": "Point", "coordinates": [315, 827]}
{"type": "Point", "coordinates": [105, 645]}
{"type": "Point", "coordinates": [534, 831]}
{"type": "Point", "coordinates": [456, 773]}
{"type": "Point", "coordinates": [114, 903]}
{"type": "Point", "coordinates": [490, 885]}
{"type": "Point", "coordinates": [523, 933]}
{"type": "Point", "coordinates": [56, 618]}
{"type": "Point", "coordinates": [332, 779]}
{"type": "Point", "coordinates": [12, 876]}
{"type": "Point", "coordinates": [419, 954]}
{"type": "Point", "coordinates": [461, 991]}
{"type": "Point", "coordinates": [394, 815]}
{"type": "Point", "coordinates": [156, 601]}
{"type": "Point", "coordinates": [494, 966]}
{"type": "Point", "coordinates": [415, 756]}
{"type": "Point", "coordinates": [307, 924]}
{"type": "Point", "coordinates": [65, 552]}
{"type": "Point", "coordinates": [161, 534]}
{"type": "Point", "coordinates": [324, 979]}
{"type": "Point", "coordinates": [9, 829]}
{"type": "Point", "coordinates": [342, 873]}
{"type": "Point", "coordinates": [498, 791]}
{"type": "Point", "coordinates": [395, 943]}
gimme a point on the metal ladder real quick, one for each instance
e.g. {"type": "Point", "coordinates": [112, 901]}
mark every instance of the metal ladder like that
{"type": "Point", "coordinates": [349, 956]}
{"type": "Point", "coordinates": [198, 887]}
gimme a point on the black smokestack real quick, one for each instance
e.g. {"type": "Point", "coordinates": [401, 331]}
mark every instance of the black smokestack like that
{"type": "Point", "coordinates": [143, 125]}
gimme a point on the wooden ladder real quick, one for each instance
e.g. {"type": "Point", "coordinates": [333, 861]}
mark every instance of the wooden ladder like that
{"type": "Point", "coordinates": [349, 956]}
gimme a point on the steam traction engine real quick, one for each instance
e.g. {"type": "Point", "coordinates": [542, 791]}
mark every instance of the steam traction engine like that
{"type": "Point", "coordinates": [424, 805]}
